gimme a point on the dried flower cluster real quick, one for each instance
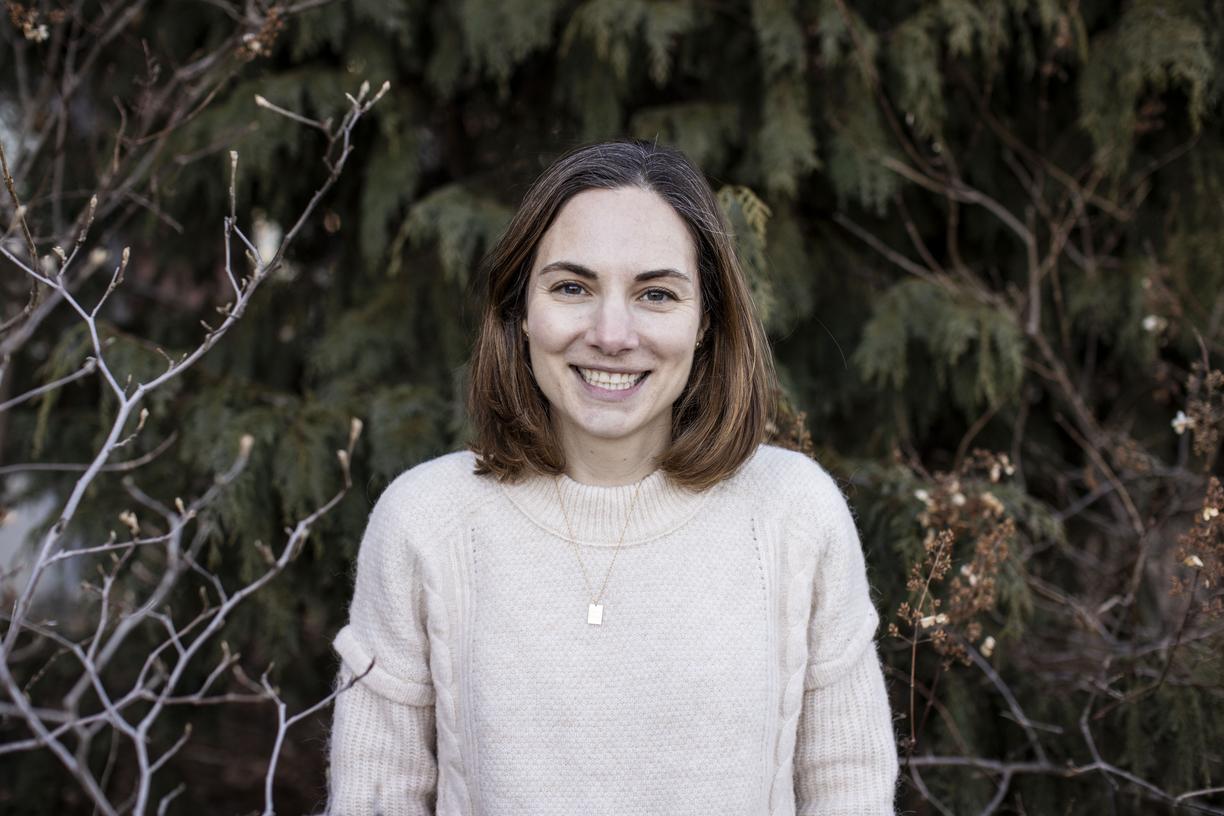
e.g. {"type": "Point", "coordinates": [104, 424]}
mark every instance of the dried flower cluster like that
{"type": "Point", "coordinates": [1129, 455]}
{"type": "Point", "coordinates": [259, 43]}
{"type": "Point", "coordinates": [958, 507]}
{"type": "Point", "coordinates": [31, 22]}
{"type": "Point", "coordinates": [1204, 416]}
{"type": "Point", "coordinates": [1202, 549]}
{"type": "Point", "coordinates": [789, 428]}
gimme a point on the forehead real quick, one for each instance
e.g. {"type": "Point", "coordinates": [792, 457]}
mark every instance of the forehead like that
{"type": "Point", "coordinates": [626, 230]}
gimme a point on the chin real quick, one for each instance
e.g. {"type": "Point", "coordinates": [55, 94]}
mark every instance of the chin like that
{"type": "Point", "coordinates": [608, 433]}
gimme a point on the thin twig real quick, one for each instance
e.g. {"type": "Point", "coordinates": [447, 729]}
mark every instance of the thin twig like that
{"type": "Point", "coordinates": [90, 366]}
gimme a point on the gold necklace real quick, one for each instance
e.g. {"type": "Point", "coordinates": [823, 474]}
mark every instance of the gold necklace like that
{"type": "Point", "coordinates": [595, 608]}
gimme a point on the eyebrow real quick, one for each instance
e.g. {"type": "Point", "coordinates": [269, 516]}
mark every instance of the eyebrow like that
{"type": "Point", "coordinates": [585, 272]}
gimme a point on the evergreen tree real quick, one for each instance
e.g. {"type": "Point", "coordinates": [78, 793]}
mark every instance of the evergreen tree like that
{"type": "Point", "coordinates": [984, 238]}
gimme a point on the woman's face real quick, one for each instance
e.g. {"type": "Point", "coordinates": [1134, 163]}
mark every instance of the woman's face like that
{"type": "Point", "coordinates": [613, 313]}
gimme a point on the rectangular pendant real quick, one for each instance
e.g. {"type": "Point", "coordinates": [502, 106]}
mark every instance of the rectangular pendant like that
{"type": "Point", "coordinates": [595, 614]}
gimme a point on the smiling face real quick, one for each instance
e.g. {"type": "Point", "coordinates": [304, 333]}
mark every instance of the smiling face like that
{"type": "Point", "coordinates": [613, 314]}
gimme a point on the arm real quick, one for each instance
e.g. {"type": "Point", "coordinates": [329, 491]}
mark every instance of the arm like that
{"type": "Point", "coordinates": [845, 753]}
{"type": "Point", "coordinates": [382, 755]}
{"type": "Point", "coordinates": [383, 741]}
{"type": "Point", "coordinates": [845, 750]}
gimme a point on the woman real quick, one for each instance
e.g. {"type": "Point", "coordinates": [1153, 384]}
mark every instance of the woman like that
{"type": "Point", "coordinates": [618, 601]}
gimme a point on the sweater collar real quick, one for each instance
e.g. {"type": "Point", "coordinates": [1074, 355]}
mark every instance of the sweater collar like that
{"type": "Point", "coordinates": [597, 513]}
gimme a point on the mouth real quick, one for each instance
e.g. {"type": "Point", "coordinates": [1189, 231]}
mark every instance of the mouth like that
{"type": "Point", "coordinates": [604, 383]}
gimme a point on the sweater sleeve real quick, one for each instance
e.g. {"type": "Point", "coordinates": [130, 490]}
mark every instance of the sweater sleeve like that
{"type": "Point", "coordinates": [845, 750]}
{"type": "Point", "coordinates": [383, 741]}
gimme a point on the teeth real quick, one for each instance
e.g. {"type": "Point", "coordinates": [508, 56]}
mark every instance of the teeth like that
{"type": "Point", "coordinates": [614, 382]}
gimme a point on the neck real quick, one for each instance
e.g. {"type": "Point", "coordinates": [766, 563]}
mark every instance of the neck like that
{"type": "Point", "coordinates": [610, 462]}
{"type": "Point", "coordinates": [599, 515]}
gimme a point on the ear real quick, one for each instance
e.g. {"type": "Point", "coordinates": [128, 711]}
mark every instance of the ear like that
{"type": "Point", "coordinates": [705, 325]}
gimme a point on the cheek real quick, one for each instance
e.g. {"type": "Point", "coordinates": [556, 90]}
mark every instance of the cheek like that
{"type": "Point", "coordinates": [547, 343]}
{"type": "Point", "coordinates": [553, 332]}
{"type": "Point", "coordinates": [678, 345]}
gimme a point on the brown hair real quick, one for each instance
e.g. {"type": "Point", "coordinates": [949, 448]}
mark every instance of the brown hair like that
{"type": "Point", "coordinates": [722, 413]}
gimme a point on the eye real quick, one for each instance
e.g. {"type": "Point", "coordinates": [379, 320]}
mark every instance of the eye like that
{"type": "Point", "coordinates": [667, 295]}
{"type": "Point", "coordinates": [560, 286]}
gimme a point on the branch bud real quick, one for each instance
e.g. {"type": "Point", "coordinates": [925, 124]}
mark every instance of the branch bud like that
{"type": "Point", "coordinates": [355, 427]}
{"type": "Point", "coordinates": [129, 518]}
{"type": "Point", "coordinates": [261, 102]}
{"type": "Point", "coordinates": [266, 552]}
{"type": "Point", "coordinates": [245, 444]}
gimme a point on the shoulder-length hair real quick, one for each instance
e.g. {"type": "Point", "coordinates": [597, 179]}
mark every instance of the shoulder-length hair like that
{"type": "Point", "coordinates": [723, 412]}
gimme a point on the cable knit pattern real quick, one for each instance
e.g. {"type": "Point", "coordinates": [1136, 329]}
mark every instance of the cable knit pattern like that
{"type": "Point", "coordinates": [801, 563]}
{"type": "Point", "coordinates": [453, 797]}
{"type": "Point", "coordinates": [735, 671]}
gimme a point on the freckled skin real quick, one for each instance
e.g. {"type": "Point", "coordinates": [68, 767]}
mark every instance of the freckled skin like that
{"type": "Point", "coordinates": [614, 322]}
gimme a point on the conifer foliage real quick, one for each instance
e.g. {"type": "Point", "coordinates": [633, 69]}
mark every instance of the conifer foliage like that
{"type": "Point", "coordinates": [985, 238]}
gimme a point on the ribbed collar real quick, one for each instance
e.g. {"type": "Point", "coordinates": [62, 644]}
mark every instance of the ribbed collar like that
{"type": "Point", "coordinates": [597, 512]}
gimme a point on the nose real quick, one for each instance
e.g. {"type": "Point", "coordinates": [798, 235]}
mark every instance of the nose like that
{"type": "Point", "coordinates": [613, 330]}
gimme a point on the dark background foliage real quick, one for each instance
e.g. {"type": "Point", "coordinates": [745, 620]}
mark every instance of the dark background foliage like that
{"type": "Point", "coordinates": [968, 225]}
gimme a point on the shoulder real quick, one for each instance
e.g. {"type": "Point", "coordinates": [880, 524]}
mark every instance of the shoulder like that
{"type": "Point", "coordinates": [799, 493]}
{"type": "Point", "coordinates": [435, 478]}
{"type": "Point", "coordinates": [426, 500]}
{"type": "Point", "coordinates": [790, 476]}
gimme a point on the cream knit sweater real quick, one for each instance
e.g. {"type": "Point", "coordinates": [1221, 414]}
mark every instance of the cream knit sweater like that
{"type": "Point", "coordinates": [735, 671]}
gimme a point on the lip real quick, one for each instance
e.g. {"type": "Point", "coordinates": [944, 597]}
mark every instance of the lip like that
{"type": "Point", "coordinates": [604, 394]}
{"type": "Point", "coordinates": [612, 370]}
